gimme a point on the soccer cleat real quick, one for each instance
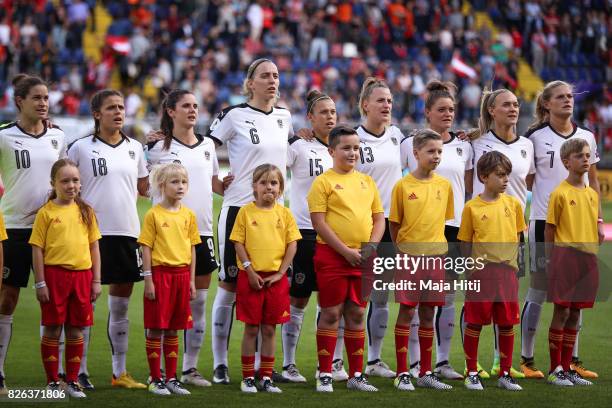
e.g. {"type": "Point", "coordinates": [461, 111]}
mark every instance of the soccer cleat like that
{"type": "Point", "coordinates": [74, 390]}
{"type": "Point", "coordinates": [576, 378]}
{"type": "Point", "coordinates": [513, 372]}
{"type": "Point", "coordinates": [508, 382]}
{"type": "Point", "coordinates": [324, 383]}
{"type": "Point", "coordinates": [415, 369]}
{"type": "Point", "coordinates": [125, 380]}
{"type": "Point", "coordinates": [557, 377]}
{"type": "Point", "coordinates": [402, 382]}
{"type": "Point", "coordinates": [220, 375]}
{"type": "Point", "coordinates": [248, 385]}
{"type": "Point", "coordinates": [529, 369]}
{"type": "Point", "coordinates": [431, 381]}
{"type": "Point", "coordinates": [292, 374]}
{"type": "Point", "coordinates": [84, 382]}
{"type": "Point", "coordinates": [339, 374]}
{"type": "Point", "coordinates": [158, 387]}
{"type": "Point", "coordinates": [54, 386]}
{"type": "Point", "coordinates": [577, 366]}
{"type": "Point", "coordinates": [482, 373]}
{"type": "Point", "coordinates": [278, 377]}
{"type": "Point", "coordinates": [3, 389]}
{"type": "Point", "coordinates": [472, 382]}
{"type": "Point", "coordinates": [445, 370]}
{"type": "Point", "coordinates": [193, 377]}
{"type": "Point", "coordinates": [174, 386]}
{"type": "Point", "coordinates": [267, 385]}
{"type": "Point", "coordinates": [360, 383]}
{"type": "Point", "coordinates": [378, 368]}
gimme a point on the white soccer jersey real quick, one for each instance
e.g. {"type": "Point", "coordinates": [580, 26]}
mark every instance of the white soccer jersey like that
{"type": "Point", "coordinates": [25, 166]}
{"type": "Point", "coordinates": [380, 159]}
{"type": "Point", "coordinates": [456, 160]}
{"type": "Point", "coordinates": [109, 179]}
{"type": "Point", "coordinates": [550, 171]}
{"type": "Point", "coordinates": [201, 163]}
{"type": "Point", "coordinates": [253, 137]}
{"type": "Point", "coordinates": [520, 153]}
{"type": "Point", "coordinates": [306, 160]}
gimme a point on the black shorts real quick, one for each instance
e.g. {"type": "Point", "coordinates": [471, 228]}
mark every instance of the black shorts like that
{"type": "Point", "coordinates": [537, 254]}
{"type": "Point", "coordinates": [17, 257]}
{"type": "Point", "coordinates": [228, 271]}
{"type": "Point", "coordinates": [522, 254]}
{"type": "Point", "coordinates": [303, 280]}
{"type": "Point", "coordinates": [387, 249]}
{"type": "Point", "coordinates": [206, 262]}
{"type": "Point", "coordinates": [120, 259]}
{"type": "Point", "coordinates": [450, 233]}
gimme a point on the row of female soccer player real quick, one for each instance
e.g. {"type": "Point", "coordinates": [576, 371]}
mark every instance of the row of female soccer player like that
{"type": "Point", "coordinates": [256, 133]}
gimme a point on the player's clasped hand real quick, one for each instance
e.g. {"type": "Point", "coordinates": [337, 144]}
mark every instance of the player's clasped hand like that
{"type": "Point", "coordinates": [256, 281]}
{"type": "Point", "coordinates": [273, 278]}
{"type": "Point", "coordinates": [149, 289]}
{"type": "Point", "coordinates": [353, 256]}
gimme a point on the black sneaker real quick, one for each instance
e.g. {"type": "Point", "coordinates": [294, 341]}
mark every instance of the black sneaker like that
{"type": "Point", "coordinates": [278, 377]}
{"type": "Point", "coordinates": [221, 375]}
{"type": "Point", "coordinates": [84, 382]}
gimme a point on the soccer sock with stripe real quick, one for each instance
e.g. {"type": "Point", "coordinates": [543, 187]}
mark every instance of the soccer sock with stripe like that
{"type": "Point", "coordinates": [266, 366]}
{"type": "Point", "coordinates": [378, 317]}
{"type": "Point", "coordinates": [290, 333]}
{"type": "Point", "coordinates": [445, 327]}
{"type": "Point", "coordinates": [49, 350]}
{"type": "Point", "coordinates": [354, 341]}
{"type": "Point", "coordinates": [555, 342]}
{"type": "Point", "coordinates": [569, 338]}
{"type": "Point", "coordinates": [470, 346]}
{"type": "Point", "coordinates": [425, 345]}
{"type": "Point", "coordinates": [402, 334]}
{"type": "Point", "coordinates": [506, 346]}
{"type": "Point", "coordinates": [171, 346]}
{"type": "Point", "coordinates": [86, 336]}
{"type": "Point", "coordinates": [222, 317]}
{"type": "Point", "coordinates": [414, 349]}
{"type": "Point", "coordinates": [326, 342]}
{"type": "Point", "coordinates": [153, 346]}
{"type": "Point", "coordinates": [194, 337]}
{"type": "Point", "coordinates": [6, 329]}
{"type": "Point", "coordinates": [118, 330]}
{"type": "Point", "coordinates": [248, 366]}
{"type": "Point", "coordinates": [530, 318]}
{"type": "Point", "coordinates": [74, 354]}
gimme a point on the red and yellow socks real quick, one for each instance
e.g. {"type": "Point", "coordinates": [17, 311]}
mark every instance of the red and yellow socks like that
{"type": "Point", "coordinates": [74, 353]}
{"type": "Point", "coordinates": [506, 347]}
{"type": "Point", "coordinates": [471, 337]}
{"type": "Point", "coordinates": [402, 335]}
{"type": "Point", "coordinates": [266, 366]}
{"type": "Point", "coordinates": [425, 345]}
{"type": "Point", "coordinates": [171, 346]}
{"type": "Point", "coordinates": [569, 339]}
{"type": "Point", "coordinates": [153, 347]}
{"type": "Point", "coordinates": [354, 341]}
{"type": "Point", "coordinates": [49, 350]}
{"type": "Point", "coordinates": [248, 366]}
{"type": "Point", "coordinates": [555, 342]}
{"type": "Point", "coordinates": [326, 344]}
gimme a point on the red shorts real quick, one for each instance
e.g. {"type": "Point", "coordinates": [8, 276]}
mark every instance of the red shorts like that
{"type": "Point", "coordinates": [337, 280]}
{"type": "Point", "coordinates": [497, 298]}
{"type": "Point", "coordinates": [573, 278]}
{"type": "Point", "coordinates": [430, 272]}
{"type": "Point", "coordinates": [170, 310]}
{"type": "Point", "coordinates": [269, 305]}
{"type": "Point", "coordinates": [69, 297]}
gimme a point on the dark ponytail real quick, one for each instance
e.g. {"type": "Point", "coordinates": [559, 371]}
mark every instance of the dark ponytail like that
{"type": "Point", "coordinates": [166, 125]}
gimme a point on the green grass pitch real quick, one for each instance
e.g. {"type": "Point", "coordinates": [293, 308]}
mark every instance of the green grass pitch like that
{"type": "Point", "coordinates": [24, 368]}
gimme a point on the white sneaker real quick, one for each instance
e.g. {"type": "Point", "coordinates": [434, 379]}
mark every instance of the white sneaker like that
{"type": "Point", "coordinates": [415, 370]}
{"type": "Point", "coordinates": [558, 378]}
{"type": "Point", "coordinates": [446, 371]}
{"type": "Point", "coordinates": [193, 377]}
{"type": "Point", "coordinates": [360, 383]}
{"type": "Point", "coordinates": [292, 374]}
{"type": "Point", "coordinates": [266, 385]}
{"type": "Point", "coordinates": [74, 390]}
{"type": "Point", "coordinates": [324, 383]}
{"type": "Point", "coordinates": [248, 385]}
{"type": "Point", "coordinates": [379, 368]}
{"type": "Point", "coordinates": [508, 383]}
{"type": "Point", "coordinates": [175, 387]}
{"type": "Point", "coordinates": [158, 387]}
{"type": "Point", "coordinates": [431, 381]}
{"type": "Point", "coordinates": [339, 374]}
{"type": "Point", "coordinates": [576, 378]}
{"type": "Point", "coordinates": [402, 382]}
{"type": "Point", "coordinates": [472, 382]}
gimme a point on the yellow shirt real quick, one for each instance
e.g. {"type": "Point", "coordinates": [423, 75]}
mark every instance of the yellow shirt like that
{"type": "Point", "coordinates": [348, 201]}
{"type": "Point", "coordinates": [3, 235]}
{"type": "Point", "coordinates": [63, 237]}
{"type": "Point", "coordinates": [574, 212]}
{"type": "Point", "coordinates": [265, 233]}
{"type": "Point", "coordinates": [170, 235]}
{"type": "Point", "coordinates": [493, 228]}
{"type": "Point", "coordinates": [421, 208]}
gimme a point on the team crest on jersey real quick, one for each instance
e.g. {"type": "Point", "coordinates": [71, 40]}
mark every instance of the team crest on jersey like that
{"type": "Point", "coordinates": [507, 211]}
{"type": "Point", "coordinates": [394, 140]}
{"type": "Point", "coordinates": [214, 124]}
{"type": "Point", "coordinates": [132, 155]}
{"type": "Point", "coordinates": [6, 272]}
{"type": "Point", "coordinates": [524, 154]}
{"type": "Point", "coordinates": [459, 151]}
{"type": "Point", "coordinates": [299, 278]}
{"type": "Point", "coordinates": [207, 155]}
{"type": "Point", "coordinates": [54, 143]}
{"type": "Point", "coordinates": [279, 224]}
{"type": "Point", "coordinates": [280, 123]}
{"type": "Point", "coordinates": [232, 271]}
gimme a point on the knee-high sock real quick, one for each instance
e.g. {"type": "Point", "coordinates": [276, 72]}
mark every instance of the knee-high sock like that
{"type": "Point", "coordinates": [222, 317]}
{"type": "Point", "coordinates": [445, 326]}
{"type": "Point", "coordinates": [402, 334]}
{"type": "Point", "coordinates": [470, 346]}
{"type": "Point", "coordinates": [154, 351]}
{"type": "Point", "coordinates": [354, 341]}
{"type": "Point", "coordinates": [194, 337]}
{"type": "Point", "coordinates": [118, 332]}
{"type": "Point", "coordinates": [339, 350]}
{"type": "Point", "coordinates": [74, 353]}
{"type": "Point", "coordinates": [248, 366]}
{"type": "Point", "coordinates": [569, 338]}
{"type": "Point", "coordinates": [378, 317]}
{"type": "Point", "coordinates": [6, 330]}
{"type": "Point", "coordinates": [530, 319]}
{"type": "Point", "coordinates": [171, 346]}
{"type": "Point", "coordinates": [86, 336]}
{"type": "Point", "coordinates": [575, 351]}
{"type": "Point", "coordinates": [290, 333]}
{"type": "Point", "coordinates": [506, 347]}
{"type": "Point", "coordinates": [266, 366]}
{"type": "Point", "coordinates": [49, 351]}
{"type": "Point", "coordinates": [425, 344]}
{"type": "Point", "coordinates": [413, 345]}
{"type": "Point", "coordinates": [326, 341]}
{"type": "Point", "coordinates": [555, 344]}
